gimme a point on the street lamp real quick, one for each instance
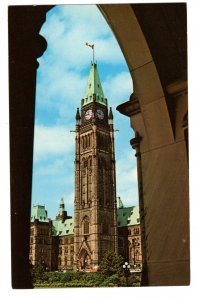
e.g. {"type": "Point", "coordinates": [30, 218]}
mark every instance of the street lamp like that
{"type": "Point", "coordinates": [126, 268]}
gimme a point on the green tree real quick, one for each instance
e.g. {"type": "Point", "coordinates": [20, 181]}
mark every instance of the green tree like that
{"type": "Point", "coordinates": [38, 273]}
{"type": "Point", "coordinates": [111, 264]}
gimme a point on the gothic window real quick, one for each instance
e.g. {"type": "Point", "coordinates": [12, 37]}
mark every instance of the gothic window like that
{"type": "Point", "coordinates": [88, 141]}
{"type": "Point", "coordinates": [86, 225]}
{"type": "Point", "coordinates": [66, 249]}
{"type": "Point", "coordinates": [83, 138]}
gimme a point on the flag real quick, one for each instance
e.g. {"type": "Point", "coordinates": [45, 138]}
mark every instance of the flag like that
{"type": "Point", "coordinates": [91, 46]}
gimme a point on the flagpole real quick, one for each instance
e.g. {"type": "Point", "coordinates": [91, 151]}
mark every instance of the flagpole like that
{"type": "Point", "coordinates": [91, 46]}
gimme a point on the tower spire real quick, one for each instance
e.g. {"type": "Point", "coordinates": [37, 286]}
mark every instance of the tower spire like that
{"type": "Point", "coordinates": [94, 91]}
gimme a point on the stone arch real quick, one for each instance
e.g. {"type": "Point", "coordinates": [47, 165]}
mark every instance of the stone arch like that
{"type": "Point", "coordinates": [147, 85]}
{"type": "Point", "coordinates": [85, 259]}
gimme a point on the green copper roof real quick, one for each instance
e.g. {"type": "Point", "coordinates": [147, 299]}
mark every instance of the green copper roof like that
{"type": "Point", "coordinates": [127, 216]}
{"type": "Point", "coordinates": [65, 228]}
{"type": "Point", "coordinates": [39, 213]}
{"type": "Point", "coordinates": [94, 88]}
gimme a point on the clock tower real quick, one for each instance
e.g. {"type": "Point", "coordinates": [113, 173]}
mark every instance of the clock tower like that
{"type": "Point", "coordinates": [95, 229]}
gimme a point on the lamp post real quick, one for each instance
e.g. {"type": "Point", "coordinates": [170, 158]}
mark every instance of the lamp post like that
{"type": "Point", "coordinates": [126, 268]}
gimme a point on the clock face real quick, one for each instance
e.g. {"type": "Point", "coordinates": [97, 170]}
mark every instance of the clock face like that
{"type": "Point", "coordinates": [88, 114]}
{"type": "Point", "coordinates": [100, 114]}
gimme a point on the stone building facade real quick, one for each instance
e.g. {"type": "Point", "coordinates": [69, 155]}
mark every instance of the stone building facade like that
{"type": "Point", "coordinates": [52, 241]}
{"type": "Point", "coordinates": [129, 234]}
{"type": "Point", "coordinates": [40, 237]}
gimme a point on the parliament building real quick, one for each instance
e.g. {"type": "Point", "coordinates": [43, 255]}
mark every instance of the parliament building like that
{"type": "Point", "coordinates": [101, 223]}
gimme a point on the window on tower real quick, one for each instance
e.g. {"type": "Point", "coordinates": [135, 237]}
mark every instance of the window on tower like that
{"type": "Point", "coordinates": [86, 225]}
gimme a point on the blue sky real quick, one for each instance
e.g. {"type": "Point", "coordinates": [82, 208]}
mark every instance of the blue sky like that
{"type": "Point", "coordinates": [61, 82]}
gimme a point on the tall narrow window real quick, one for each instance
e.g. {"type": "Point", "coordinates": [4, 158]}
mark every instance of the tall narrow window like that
{"type": "Point", "coordinates": [86, 226]}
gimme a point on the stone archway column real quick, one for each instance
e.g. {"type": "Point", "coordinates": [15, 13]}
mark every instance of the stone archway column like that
{"type": "Point", "coordinates": [25, 46]}
{"type": "Point", "coordinates": [157, 116]}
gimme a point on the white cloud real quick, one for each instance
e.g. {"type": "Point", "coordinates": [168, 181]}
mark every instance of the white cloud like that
{"type": "Point", "coordinates": [126, 178]}
{"type": "Point", "coordinates": [68, 30]}
{"type": "Point", "coordinates": [118, 88]}
{"type": "Point", "coordinates": [60, 89]}
{"type": "Point", "coordinates": [51, 140]}
{"type": "Point", "coordinates": [60, 79]}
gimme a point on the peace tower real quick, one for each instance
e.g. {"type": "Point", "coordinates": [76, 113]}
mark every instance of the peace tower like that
{"type": "Point", "coordinates": [95, 212]}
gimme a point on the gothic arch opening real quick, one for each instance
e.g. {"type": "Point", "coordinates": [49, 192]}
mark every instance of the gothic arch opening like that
{"type": "Point", "coordinates": [123, 163]}
{"type": "Point", "coordinates": [84, 260]}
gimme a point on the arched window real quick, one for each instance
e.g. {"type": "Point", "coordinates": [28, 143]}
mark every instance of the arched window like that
{"type": "Point", "coordinates": [86, 225]}
{"type": "Point", "coordinates": [85, 146]}
{"type": "Point", "coordinates": [88, 142]}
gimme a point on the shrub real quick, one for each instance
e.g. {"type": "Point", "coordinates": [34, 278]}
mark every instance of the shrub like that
{"type": "Point", "coordinates": [111, 264]}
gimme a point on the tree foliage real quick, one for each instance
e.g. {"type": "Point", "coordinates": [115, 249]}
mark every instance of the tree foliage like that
{"type": "Point", "coordinates": [111, 264]}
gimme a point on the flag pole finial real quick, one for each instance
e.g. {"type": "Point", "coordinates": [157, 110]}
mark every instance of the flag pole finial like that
{"type": "Point", "coordinates": [91, 46]}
